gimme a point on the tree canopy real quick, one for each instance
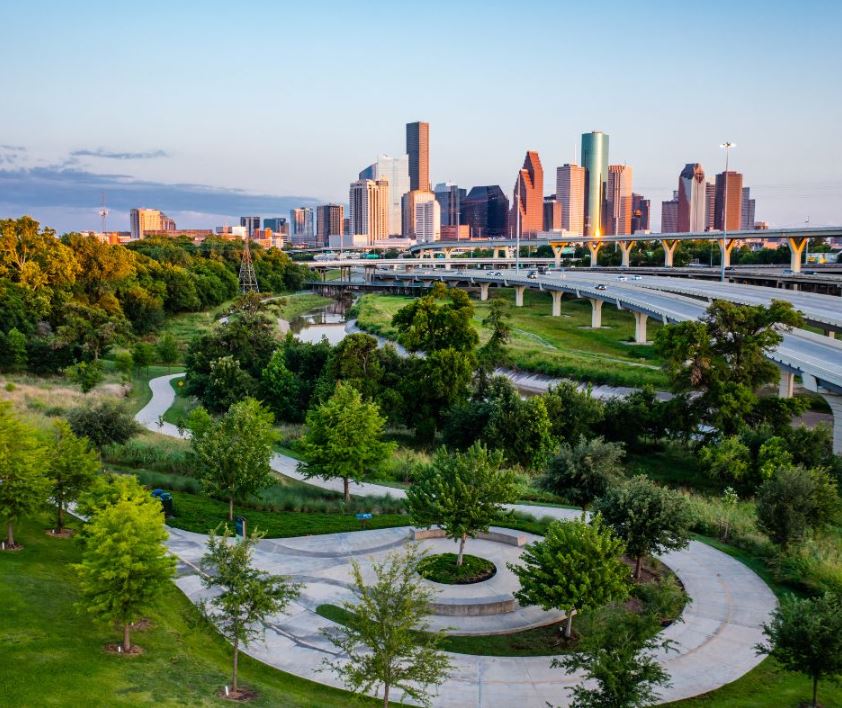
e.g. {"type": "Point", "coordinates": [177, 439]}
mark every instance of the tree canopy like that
{"type": "Point", "coordinates": [584, 471]}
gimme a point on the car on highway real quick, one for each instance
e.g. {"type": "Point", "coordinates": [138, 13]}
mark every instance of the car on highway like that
{"type": "Point", "coordinates": [637, 277]}
{"type": "Point", "coordinates": [601, 286]}
{"type": "Point", "coordinates": [532, 275]}
{"type": "Point", "coordinates": [622, 277]}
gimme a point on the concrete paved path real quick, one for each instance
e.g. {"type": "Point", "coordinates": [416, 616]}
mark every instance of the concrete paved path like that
{"type": "Point", "coordinates": [714, 645]}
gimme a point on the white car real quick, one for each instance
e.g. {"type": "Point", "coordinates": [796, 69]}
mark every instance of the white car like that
{"type": "Point", "coordinates": [622, 277]}
{"type": "Point", "coordinates": [637, 277]}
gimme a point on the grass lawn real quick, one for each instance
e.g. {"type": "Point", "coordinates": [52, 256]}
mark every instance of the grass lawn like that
{"type": "Point", "coordinates": [557, 346]}
{"type": "Point", "coordinates": [291, 306]}
{"type": "Point", "coordinates": [186, 325]}
{"type": "Point", "coordinates": [53, 656]}
{"type": "Point", "coordinates": [442, 568]}
{"type": "Point", "coordinates": [182, 405]}
{"type": "Point", "coordinates": [674, 466]}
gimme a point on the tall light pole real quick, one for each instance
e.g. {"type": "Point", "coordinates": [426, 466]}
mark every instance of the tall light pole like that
{"type": "Point", "coordinates": [727, 147]}
{"type": "Point", "coordinates": [517, 231]}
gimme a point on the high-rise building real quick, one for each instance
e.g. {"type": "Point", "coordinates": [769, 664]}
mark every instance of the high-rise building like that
{"type": "Point", "coordinates": [710, 205]}
{"type": "Point", "coordinates": [143, 220]}
{"type": "Point", "coordinates": [552, 214]}
{"type": "Point", "coordinates": [528, 200]}
{"type": "Point", "coordinates": [252, 224]}
{"type": "Point", "coordinates": [595, 162]}
{"type": "Point", "coordinates": [369, 201]}
{"type": "Point", "coordinates": [747, 214]}
{"type": "Point", "coordinates": [618, 200]}
{"type": "Point", "coordinates": [396, 171]}
{"type": "Point", "coordinates": [427, 225]}
{"type": "Point", "coordinates": [729, 197]}
{"type": "Point", "coordinates": [302, 226]}
{"type": "Point", "coordinates": [669, 215]}
{"type": "Point", "coordinates": [277, 224]}
{"type": "Point", "coordinates": [449, 197]}
{"type": "Point", "coordinates": [329, 218]}
{"type": "Point", "coordinates": [640, 213]}
{"type": "Point", "coordinates": [485, 210]}
{"type": "Point", "coordinates": [570, 193]}
{"type": "Point", "coordinates": [418, 150]}
{"type": "Point", "coordinates": [692, 199]}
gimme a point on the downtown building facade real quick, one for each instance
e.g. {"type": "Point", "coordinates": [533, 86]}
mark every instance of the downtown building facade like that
{"type": "Point", "coordinates": [418, 152]}
{"type": "Point", "coordinates": [748, 206]}
{"type": "Point", "coordinates": [570, 194]}
{"type": "Point", "coordinates": [302, 225]}
{"type": "Point", "coordinates": [528, 202]}
{"type": "Point", "coordinates": [552, 214]}
{"type": "Point", "coordinates": [329, 222]}
{"type": "Point", "coordinates": [692, 199]}
{"type": "Point", "coordinates": [251, 224]}
{"type": "Point", "coordinates": [277, 224]}
{"type": "Point", "coordinates": [618, 200]}
{"type": "Point", "coordinates": [485, 211]}
{"type": "Point", "coordinates": [595, 162]}
{"type": "Point", "coordinates": [369, 210]}
{"type": "Point", "coordinates": [449, 196]}
{"type": "Point", "coordinates": [427, 221]}
{"type": "Point", "coordinates": [728, 206]}
{"type": "Point", "coordinates": [641, 210]}
{"type": "Point", "coordinates": [395, 170]}
{"type": "Point", "coordinates": [669, 215]}
{"type": "Point", "coordinates": [146, 220]}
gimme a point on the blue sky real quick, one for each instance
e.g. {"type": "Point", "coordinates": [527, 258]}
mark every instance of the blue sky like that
{"type": "Point", "coordinates": [277, 99]}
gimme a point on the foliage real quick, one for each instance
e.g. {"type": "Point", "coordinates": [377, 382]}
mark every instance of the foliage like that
{"type": "Point", "coordinates": [442, 568]}
{"type": "Point", "coordinates": [381, 642]}
{"type": "Point", "coordinates": [462, 493]}
{"type": "Point", "coordinates": [648, 517]}
{"type": "Point", "coordinates": [428, 325]}
{"type": "Point", "coordinates": [805, 636]}
{"type": "Point", "coordinates": [143, 354]}
{"type": "Point", "coordinates": [87, 374]}
{"type": "Point", "coordinates": [247, 596]}
{"type": "Point", "coordinates": [289, 379]}
{"type": "Point", "coordinates": [105, 423]}
{"type": "Point", "coordinates": [226, 384]}
{"type": "Point", "coordinates": [573, 412]}
{"type": "Point", "coordinates": [584, 471]}
{"type": "Point", "coordinates": [727, 460]}
{"type": "Point", "coordinates": [167, 349]}
{"type": "Point", "coordinates": [72, 467]}
{"type": "Point", "coordinates": [13, 356]}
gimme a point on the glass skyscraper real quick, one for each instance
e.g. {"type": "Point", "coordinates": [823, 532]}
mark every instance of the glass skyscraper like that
{"type": "Point", "coordinates": [595, 162]}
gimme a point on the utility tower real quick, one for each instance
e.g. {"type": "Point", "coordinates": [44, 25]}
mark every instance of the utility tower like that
{"type": "Point", "coordinates": [103, 214]}
{"type": "Point", "coordinates": [248, 280]}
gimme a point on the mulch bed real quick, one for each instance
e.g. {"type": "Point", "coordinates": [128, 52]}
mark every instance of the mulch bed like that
{"type": "Point", "coordinates": [242, 695]}
{"type": "Point", "coordinates": [64, 533]}
{"type": "Point", "coordinates": [11, 549]}
{"type": "Point", "coordinates": [118, 649]}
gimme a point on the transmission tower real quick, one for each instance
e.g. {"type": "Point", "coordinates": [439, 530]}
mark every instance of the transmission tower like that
{"type": "Point", "coordinates": [248, 280]}
{"type": "Point", "coordinates": [103, 214]}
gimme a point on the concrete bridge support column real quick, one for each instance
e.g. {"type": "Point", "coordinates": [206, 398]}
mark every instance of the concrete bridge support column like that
{"type": "Point", "coordinates": [726, 245]}
{"type": "Point", "coordinates": [595, 247]}
{"type": "Point", "coordinates": [830, 333]}
{"type": "Point", "coordinates": [640, 319]}
{"type": "Point", "coordinates": [835, 403]}
{"type": "Point", "coordinates": [510, 252]}
{"type": "Point", "coordinates": [625, 249]}
{"type": "Point", "coordinates": [596, 313]}
{"type": "Point", "coordinates": [669, 245]}
{"type": "Point", "coordinates": [786, 388]}
{"type": "Point", "coordinates": [519, 295]}
{"type": "Point", "coordinates": [796, 248]}
{"type": "Point", "coordinates": [556, 294]}
{"type": "Point", "coordinates": [483, 291]}
{"type": "Point", "coordinates": [557, 248]}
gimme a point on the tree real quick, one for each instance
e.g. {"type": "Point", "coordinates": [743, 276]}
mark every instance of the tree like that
{"type": "Point", "coordinates": [23, 485]}
{"type": "Point", "coordinates": [618, 659]}
{"type": "Point", "coordinates": [428, 325]}
{"type": "Point", "coordinates": [143, 354]}
{"type": "Point", "coordinates": [585, 471]}
{"type": "Point", "coordinates": [104, 423]}
{"type": "Point", "coordinates": [125, 564]}
{"type": "Point", "coordinates": [233, 453]}
{"type": "Point", "coordinates": [13, 357]}
{"type": "Point", "coordinates": [226, 384]}
{"type": "Point", "coordinates": [87, 374]}
{"type": "Point", "coordinates": [805, 636]}
{"type": "Point", "coordinates": [493, 353]}
{"type": "Point", "coordinates": [462, 493]}
{"type": "Point", "coordinates": [343, 438]}
{"type": "Point", "coordinates": [793, 501]}
{"type": "Point", "coordinates": [649, 518]}
{"type": "Point", "coordinates": [167, 349]}
{"type": "Point", "coordinates": [574, 413]}
{"type": "Point", "coordinates": [727, 460]}
{"type": "Point", "coordinates": [386, 640]}
{"type": "Point", "coordinates": [247, 596]}
{"type": "Point", "coordinates": [576, 566]}
{"type": "Point", "coordinates": [72, 467]}
{"type": "Point", "coordinates": [123, 362]}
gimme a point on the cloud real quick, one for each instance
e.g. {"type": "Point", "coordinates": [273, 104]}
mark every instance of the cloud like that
{"type": "Point", "coordinates": [11, 154]}
{"type": "Point", "coordinates": [109, 155]}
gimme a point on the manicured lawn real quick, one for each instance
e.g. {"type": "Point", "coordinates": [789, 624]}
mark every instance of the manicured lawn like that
{"type": "Point", "coordinates": [557, 346]}
{"type": "Point", "coordinates": [182, 405]}
{"type": "Point", "coordinates": [52, 655]}
{"type": "Point", "coordinates": [442, 568]}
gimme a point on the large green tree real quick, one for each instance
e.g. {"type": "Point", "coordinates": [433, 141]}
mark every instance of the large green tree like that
{"type": "Point", "coordinates": [233, 453]}
{"type": "Point", "coordinates": [72, 467]}
{"type": "Point", "coordinates": [343, 438]}
{"type": "Point", "coordinates": [105, 423]}
{"type": "Point", "coordinates": [429, 324]}
{"type": "Point", "coordinates": [386, 641]}
{"type": "Point", "coordinates": [576, 566]}
{"type": "Point", "coordinates": [584, 471]}
{"type": "Point", "coordinates": [462, 493]}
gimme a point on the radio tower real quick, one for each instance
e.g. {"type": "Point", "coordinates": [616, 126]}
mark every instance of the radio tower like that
{"type": "Point", "coordinates": [248, 280]}
{"type": "Point", "coordinates": [103, 214]}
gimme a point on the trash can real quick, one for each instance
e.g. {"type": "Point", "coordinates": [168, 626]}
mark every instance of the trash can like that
{"type": "Point", "coordinates": [166, 502]}
{"type": "Point", "coordinates": [240, 526]}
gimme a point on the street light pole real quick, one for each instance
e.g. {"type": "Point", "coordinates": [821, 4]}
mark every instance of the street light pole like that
{"type": "Point", "coordinates": [727, 147]}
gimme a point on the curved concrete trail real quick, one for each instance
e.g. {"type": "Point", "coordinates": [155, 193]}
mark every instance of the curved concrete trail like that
{"type": "Point", "coordinates": [713, 646]}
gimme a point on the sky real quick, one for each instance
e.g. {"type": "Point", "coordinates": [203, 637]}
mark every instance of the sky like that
{"type": "Point", "coordinates": [210, 110]}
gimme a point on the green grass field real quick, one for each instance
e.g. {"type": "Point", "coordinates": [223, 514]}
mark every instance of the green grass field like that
{"type": "Point", "coordinates": [557, 346]}
{"type": "Point", "coordinates": [291, 306]}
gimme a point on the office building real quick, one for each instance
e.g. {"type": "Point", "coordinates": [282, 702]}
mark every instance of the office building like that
{"type": "Point", "coordinates": [552, 214]}
{"type": "Point", "coordinates": [747, 214]}
{"type": "Point", "coordinates": [595, 162]}
{"type": "Point", "coordinates": [369, 206]}
{"type": "Point", "coordinates": [528, 200]}
{"type": "Point", "coordinates": [329, 218]}
{"type": "Point", "coordinates": [251, 223]}
{"type": "Point", "coordinates": [395, 170]}
{"type": "Point", "coordinates": [618, 200]}
{"type": "Point", "coordinates": [640, 214]}
{"type": "Point", "coordinates": [449, 197]}
{"type": "Point", "coordinates": [669, 215]}
{"type": "Point", "coordinates": [570, 193]}
{"type": "Point", "coordinates": [692, 199]}
{"type": "Point", "coordinates": [418, 150]}
{"type": "Point", "coordinates": [728, 208]}
{"type": "Point", "coordinates": [302, 226]}
{"type": "Point", "coordinates": [143, 220]}
{"type": "Point", "coordinates": [710, 205]}
{"type": "Point", "coordinates": [455, 233]}
{"type": "Point", "coordinates": [278, 225]}
{"type": "Point", "coordinates": [427, 226]}
{"type": "Point", "coordinates": [485, 210]}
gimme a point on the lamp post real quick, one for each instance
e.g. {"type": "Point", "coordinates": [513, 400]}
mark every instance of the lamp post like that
{"type": "Point", "coordinates": [727, 147]}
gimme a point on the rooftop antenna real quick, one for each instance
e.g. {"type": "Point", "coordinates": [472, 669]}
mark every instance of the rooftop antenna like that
{"type": "Point", "coordinates": [103, 214]}
{"type": "Point", "coordinates": [248, 279]}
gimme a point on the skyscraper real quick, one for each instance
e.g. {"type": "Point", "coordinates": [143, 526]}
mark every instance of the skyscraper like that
{"type": "Point", "coordinates": [369, 201]}
{"type": "Point", "coordinates": [302, 228]}
{"type": "Point", "coordinates": [251, 224]}
{"type": "Point", "coordinates": [449, 197]}
{"type": "Point", "coordinates": [427, 226]}
{"type": "Point", "coordinates": [418, 150]}
{"type": "Point", "coordinates": [529, 196]}
{"type": "Point", "coordinates": [595, 162]}
{"type": "Point", "coordinates": [710, 205]}
{"type": "Point", "coordinates": [747, 216]}
{"type": "Point", "coordinates": [552, 214]}
{"type": "Point", "coordinates": [396, 171]}
{"type": "Point", "coordinates": [278, 224]}
{"type": "Point", "coordinates": [618, 200]}
{"type": "Point", "coordinates": [729, 196]}
{"type": "Point", "coordinates": [640, 213]}
{"type": "Point", "coordinates": [485, 210]}
{"type": "Point", "coordinates": [570, 192]}
{"type": "Point", "coordinates": [669, 215]}
{"type": "Point", "coordinates": [329, 218]}
{"type": "Point", "coordinates": [692, 199]}
{"type": "Point", "coordinates": [143, 220]}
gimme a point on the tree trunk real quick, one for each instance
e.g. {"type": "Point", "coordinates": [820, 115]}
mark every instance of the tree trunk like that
{"type": "Point", "coordinates": [230, 508]}
{"type": "Point", "coordinates": [568, 625]}
{"type": "Point", "coordinates": [127, 637]}
{"type": "Point", "coordinates": [236, 664]}
{"type": "Point", "coordinates": [60, 518]}
{"type": "Point", "coordinates": [385, 695]}
{"type": "Point", "coordinates": [346, 482]}
{"type": "Point", "coordinates": [460, 557]}
{"type": "Point", "coordinates": [637, 563]}
{"type": "Point", "coordinates": [815, 691]}
{"type": "Point", "coordinates": [10, 535]}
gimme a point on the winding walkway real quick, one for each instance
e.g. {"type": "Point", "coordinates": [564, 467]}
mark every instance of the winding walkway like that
{"type": "Point", "coordinates": [713, 646]}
